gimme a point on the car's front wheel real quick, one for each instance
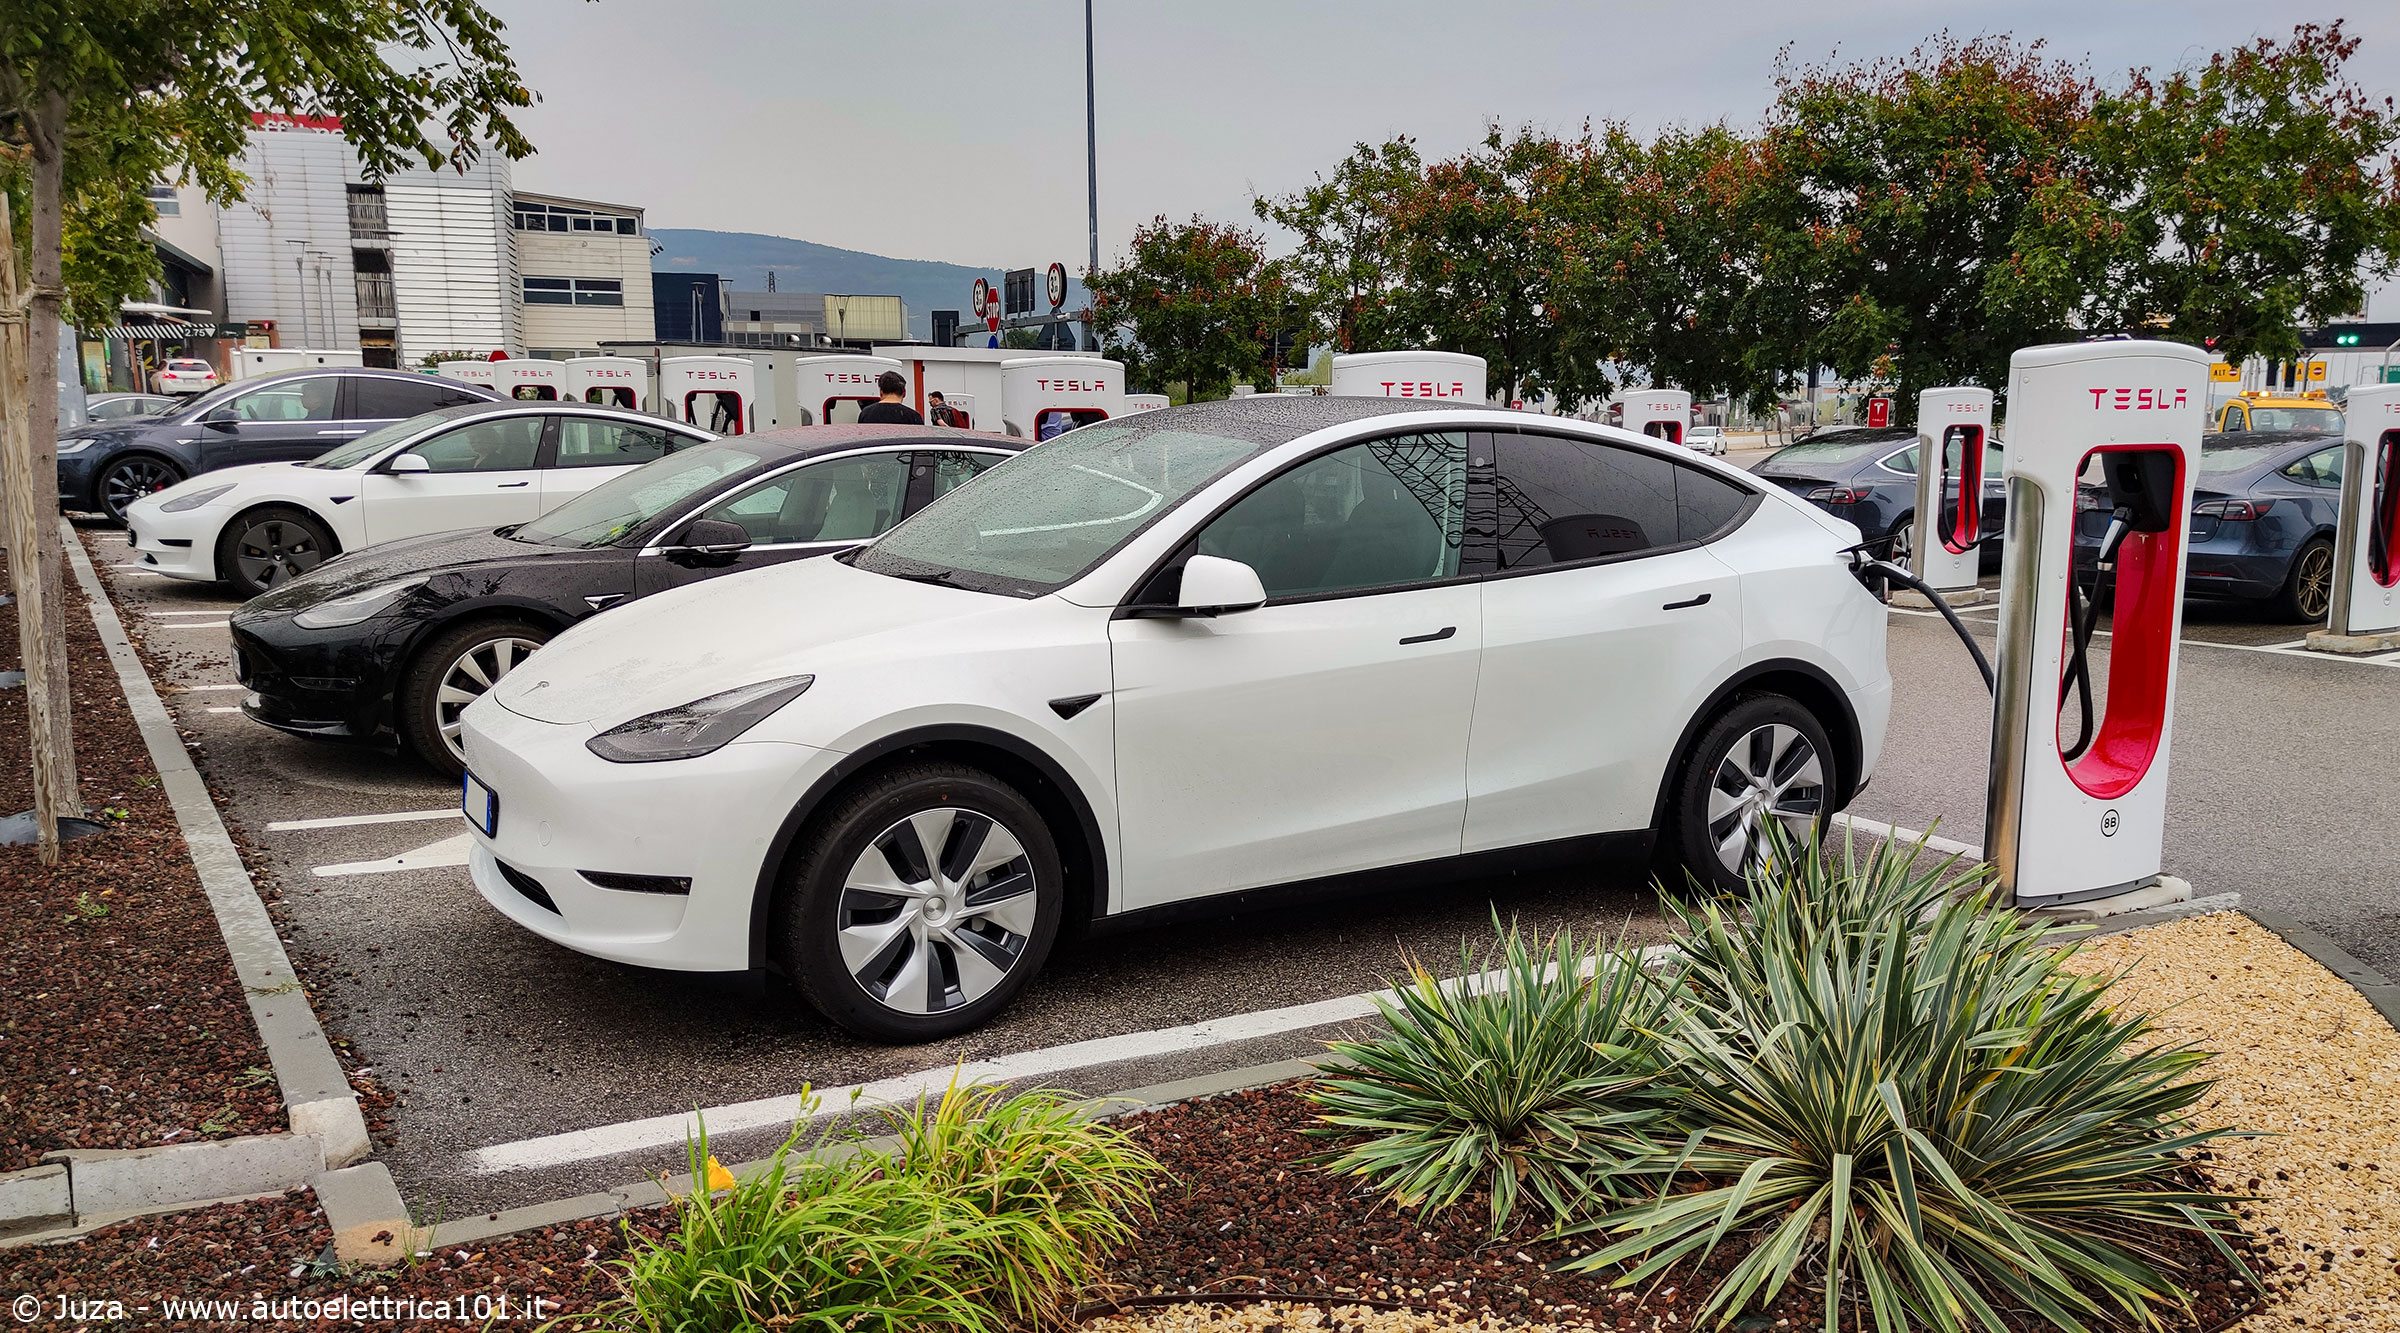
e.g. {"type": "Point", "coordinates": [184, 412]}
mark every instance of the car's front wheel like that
{"type": "Point", "coordinates": [267, 548]}
{"type": "Point", "coordinates": [455, 670]}
{"type": "Point", "coordinates": [129, 479]}
{"type": "Point", "coordinates": [1764, 759]}
{"type": "Point", "coordinates": [921, 903]}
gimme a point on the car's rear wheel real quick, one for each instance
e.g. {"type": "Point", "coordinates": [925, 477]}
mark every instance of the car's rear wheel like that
{"type": "Point", "coordinates": [455, 670]}
{"type": "Point", "coordinates": [1904, 543]}
{"type": "Point", "coordinates": [1764, 759]}
{"type": "Point", "coordinates": [129, 479]}
{"type": "Point", "coordinates": [267, 548]}
{"type": "Point", "coordinates": [2308, 589]}
{"type": "Point", "coordinates": [921, 903]}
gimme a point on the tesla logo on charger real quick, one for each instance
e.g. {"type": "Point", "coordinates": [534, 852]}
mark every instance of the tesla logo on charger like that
{"type": "Point", "coordinates": [1965, 409]}
{"type": "Point", "coordinates": [845, 377]}
{"type": "Point", "coordinates": [710, 375]}
{"type": "Point", "coordinates": [1071, 386]}
{"type": "Point", "coordinates": [2138, 400]}
{"type": "Point", "coordinates": [609, 374]}
{"type": "Point", "coordinates": [1424, 389]}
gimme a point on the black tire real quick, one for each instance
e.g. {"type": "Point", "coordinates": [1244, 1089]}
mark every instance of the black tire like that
{"type": "Point", "coordinates": [467, 659]}
{"type": "Point", "coordinates": [128, 479]}
{"type": "Point", "coordinates": [1704, 814]}
{"type": "Point", "coordinates": [265, 548]}
{"type": "Point", "coordinates": [2307, 593]}
{"type": "Point", "coordinates": [1903, 534]}
{"type": "Point", "coordinates": [821, 894]}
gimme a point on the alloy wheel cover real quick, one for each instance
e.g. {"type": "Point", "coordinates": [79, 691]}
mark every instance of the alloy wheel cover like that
{"type": "Point", "coordinates": [1769, 771]}
{"type": "Point", "coordinates": [275, 551]}
{"type": "Point", "coordinates": [2316, 581]}
{"type": "Point", "coordinates": [936, 912]}
{"type": "Point", "coordinates": [131, 480]}
{"type": "Point", "coordinates": [468, 677]}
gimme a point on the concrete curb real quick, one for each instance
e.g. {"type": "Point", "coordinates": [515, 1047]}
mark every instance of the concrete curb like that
{"type": "Point", "coordinates": [2377, 988]}
{"type": "Point", "coordinates": [316, 1091]}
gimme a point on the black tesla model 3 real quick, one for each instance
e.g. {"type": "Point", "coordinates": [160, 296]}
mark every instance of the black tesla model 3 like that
{"type": "Point", "coordinates": [398, 638]}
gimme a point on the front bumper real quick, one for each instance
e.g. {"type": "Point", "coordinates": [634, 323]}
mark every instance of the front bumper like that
{"type": "Point", "coordinates": [335, 683]}
{"type": "Point", "coordinates": [563, 810]}
{"type": "Point", "coordinates": [75, 474]}
{"type": "Point", "coordinates": [180, 545]}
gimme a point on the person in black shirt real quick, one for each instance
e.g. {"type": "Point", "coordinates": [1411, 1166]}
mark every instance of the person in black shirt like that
{"type": "Point", "coordinates": [891, 411]}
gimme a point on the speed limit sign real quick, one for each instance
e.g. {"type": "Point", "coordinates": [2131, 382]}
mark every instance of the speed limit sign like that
{"type": "Point", "coordinates": [983, 296]}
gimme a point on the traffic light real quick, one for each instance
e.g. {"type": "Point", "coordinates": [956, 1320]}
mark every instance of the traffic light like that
{"type": "Point", "coordinates": [2345, 340]}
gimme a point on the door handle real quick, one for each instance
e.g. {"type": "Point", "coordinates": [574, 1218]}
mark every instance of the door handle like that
{"type": "Point", "coordinates": [510, 485]}
{"type": "Point", "coordinates": [1701, 600]}
{"type": "Point", "coordinates": [1436, 637]}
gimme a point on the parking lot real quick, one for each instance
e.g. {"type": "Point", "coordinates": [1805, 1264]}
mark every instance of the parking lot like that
{"type": "Point", "coordinates": [526, 1072]}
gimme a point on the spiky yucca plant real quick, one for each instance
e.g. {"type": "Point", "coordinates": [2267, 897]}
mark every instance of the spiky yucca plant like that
{"type": "Point", "coordinates": [1907, 1096]}
{"type": "Point", "coordinates": [1533, 1077]}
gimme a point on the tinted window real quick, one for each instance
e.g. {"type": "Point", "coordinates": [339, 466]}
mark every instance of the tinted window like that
{"type": "Point", "coordinates": [1386, 512]}
{"type": "Point", "coordinates": [844, 499]}
{"type": "Point", "coordinates": [953, 470]}
{"type": "Point", "coordinates": [378, 399]}
{"type": "Point", "coordinates": [1559, 500]}
{"type": "Point", "coordinates": [505, 444]}
{"type": "Point", "coordinates": [618, 505]}
{"type": "Point", "coordinates": [2322, 468]}
{"type": "Point", "coordinates": [1705, 505]}
{"type": "Point", "coordinates": [290, 400]}
{"type": "Point", "coordinates": [583, 442]}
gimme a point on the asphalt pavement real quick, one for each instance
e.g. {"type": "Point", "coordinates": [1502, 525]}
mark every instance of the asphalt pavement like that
{"type": "Point", "coordinates": [511, 1056]}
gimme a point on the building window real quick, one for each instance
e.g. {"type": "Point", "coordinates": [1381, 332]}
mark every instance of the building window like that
{"type": "Point", "coordinates": [162, 198]}
{"type": "Point", "coordinates": [574, 291]}
{"type": "Point", "coordinates": [558, 217]}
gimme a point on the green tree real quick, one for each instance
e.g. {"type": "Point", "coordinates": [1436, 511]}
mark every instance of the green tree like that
{"type": "Point", "coordinates": [1193, 301]}
{"type": "Point", "coordinates": [2257, 195]}
{"type": "Point", "coordinates": [1345, 266]}
{"type": "Point", "coordinates": [101, 98]}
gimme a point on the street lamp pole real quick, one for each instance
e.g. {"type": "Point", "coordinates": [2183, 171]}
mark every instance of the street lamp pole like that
{"type": "Point", "coordinates": [300, 280]}
{"type": "Point", "coordinates": [1091, 140]}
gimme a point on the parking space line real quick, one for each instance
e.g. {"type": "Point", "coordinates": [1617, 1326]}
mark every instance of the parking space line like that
{"type": "Point", "coordinates": [213, 611]}
{"type": "Point", "coordinates": [199, 624]}
{"type": "Point", "coordinates": [229, 708]}
{"type": "Point", "coordinates": [447, 852]}
{"type": "Point", "coordinates": [352, 821]}
{"type": "Point", "coordinates": [195, 689]}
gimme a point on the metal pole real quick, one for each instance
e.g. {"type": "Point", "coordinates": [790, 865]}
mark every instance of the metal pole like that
{"type": "Point", "coordinates": [1091, 140]}
{"type": "Point", "coordinates": [300, 277]}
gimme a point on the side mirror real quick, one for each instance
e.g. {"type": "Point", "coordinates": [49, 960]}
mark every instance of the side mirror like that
{"type": "Point", "coordinates": [408, 463]}
{"type": "Point", "coordinates": [221, 419]}
{"type": "Point", "coordinates": [709, 540]}
{"type": "Point", "coordinates": [1213, 585]}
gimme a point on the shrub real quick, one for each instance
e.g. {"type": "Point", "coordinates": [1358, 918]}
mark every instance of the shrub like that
{"type": "Point", "coordinates": [990, 1211]}
{"type": "Point", "coordinates": [1534, 1078]}
{"type": "Point", "coordinates": [1911, 1093]}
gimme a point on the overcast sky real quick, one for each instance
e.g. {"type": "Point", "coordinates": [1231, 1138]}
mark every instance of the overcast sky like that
{"type": "Point", "coordinates": [954, 129]}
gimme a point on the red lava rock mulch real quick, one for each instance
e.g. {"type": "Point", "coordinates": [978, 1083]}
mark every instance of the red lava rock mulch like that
{"type": "Point", "coordinates": [121, 1022]}
{"type": "Point", "coordinates": [1247, 1212]}
{"type": "Point", "coordinates": [264, 1256]}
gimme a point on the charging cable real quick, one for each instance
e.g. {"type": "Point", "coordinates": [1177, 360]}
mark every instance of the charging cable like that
{"type": "Point", "coordinates": [2085, 615]}
{"type": "Point", "coordinates": [1886, 569]}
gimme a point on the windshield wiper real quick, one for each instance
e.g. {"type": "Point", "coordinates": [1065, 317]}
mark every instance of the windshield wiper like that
{"type": "Point", "coordinates": [937, 576]}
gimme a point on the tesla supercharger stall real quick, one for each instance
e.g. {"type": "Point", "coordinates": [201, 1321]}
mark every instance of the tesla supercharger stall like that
{"type": "Point", "coordinates": [1043, 396]}
{"type": "Point", "coordinates": [834, 388]}
{"type": "Point", "coordinates": [1665, 414]}
{"type": "Point", "coordinates": [611, 381]}
{"type": "Point", "coordinates": [485, 373]}
{"type": "Point", "coordinates": [1447, 376]}
{"type": "Point", "coordinates": [715, 393]}
{"type": "Point", "coordinates": [530, 380]}
{"type": "Point", "coordinates": [1953, 426]}
{"type": "Point", "coordinates": [2104, 439]}
{"type": "Point", "coordinates": [2365, 616]}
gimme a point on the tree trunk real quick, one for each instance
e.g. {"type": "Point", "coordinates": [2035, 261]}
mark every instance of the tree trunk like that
{"type": "Point", "coordinates": [29, 471]}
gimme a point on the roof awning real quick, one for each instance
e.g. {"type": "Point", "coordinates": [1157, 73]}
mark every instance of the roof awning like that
{"type": "Point", "coordinates": [178, 257]}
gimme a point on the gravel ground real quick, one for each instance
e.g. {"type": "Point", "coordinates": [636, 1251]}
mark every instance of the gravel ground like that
{"type": "Point", "coordinates": [2303, 1058]}
{"type": "Point", "coordinates": [124, 1026]}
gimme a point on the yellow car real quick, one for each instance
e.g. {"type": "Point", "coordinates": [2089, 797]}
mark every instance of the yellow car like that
{"type": "Point", "coordinates": [2273, 411]}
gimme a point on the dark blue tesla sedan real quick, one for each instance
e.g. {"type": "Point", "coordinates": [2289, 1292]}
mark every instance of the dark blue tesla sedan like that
{"type": "Point", "coordinates": [2264, 509]}
{"type": "Point", "coordinates": [1868, 475]}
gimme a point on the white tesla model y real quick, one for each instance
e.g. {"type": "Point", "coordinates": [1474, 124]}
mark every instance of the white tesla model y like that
{"type": "Point", "coordinates": [1276, 642]}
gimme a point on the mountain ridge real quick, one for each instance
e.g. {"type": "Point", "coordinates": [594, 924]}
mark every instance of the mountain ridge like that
{"type": "Point", "coordinates": [744, 258]}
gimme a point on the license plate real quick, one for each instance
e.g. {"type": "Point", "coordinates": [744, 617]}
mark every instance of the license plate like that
{"type": "Point", "coordinates": [481, 805]}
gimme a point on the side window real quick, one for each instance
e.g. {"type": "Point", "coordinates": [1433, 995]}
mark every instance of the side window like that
{"type": "Point", "coordinates": [291, 400]}
{"type": "Point", "coordinates": [584, 442]}
{"type": "Point", "coordinates": [1904, 462]}
{"type": "Point", "coordinates": [1558, 500]}
{"type": "Point", "coordinates": [507, 444]}
{"type": "Point", "coordinates": [450, 396]}
{"type": "Point", "coordinates": [1707, 506]}
{"type": "Point", "coordinates": [1385, 512]}
{"type": "Point", "coordinates": [953, 470]}
{"type": "Point", "coordinates": [377, 399]}
{"type": "Point", "coordinates": [2236, 417]}
{"type": "Point", "coordinates": [843, 500]}
{"type": "Point", "coordinates": [1995, 463]}
{"type": "Point", "coordinates": [2322, 468]}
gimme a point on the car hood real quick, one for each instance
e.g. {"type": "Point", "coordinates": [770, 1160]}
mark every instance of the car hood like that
{"type": "Point", "coordinates": [439, 553]}
{"type": "Point", "coordinates": [242, 475]}
{"type": "Point", "coordinates": [805, 617]}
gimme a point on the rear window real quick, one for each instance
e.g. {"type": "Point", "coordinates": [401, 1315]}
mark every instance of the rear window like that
{"type": "Point", "coordinates": [187, 365]}
{"type": "Point", "coordinates": [2216, 460]}
{"type": "Point", "coordinates": [1838, 451]}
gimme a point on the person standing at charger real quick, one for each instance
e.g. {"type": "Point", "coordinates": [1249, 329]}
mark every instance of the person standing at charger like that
{"type": "Point", "coordinates": [891, 411]}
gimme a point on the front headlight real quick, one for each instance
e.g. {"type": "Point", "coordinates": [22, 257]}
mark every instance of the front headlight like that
{"type": "Point", "coordinates": [698, 727]}
{"type": "Point", "coordinates": [73, 446]}
{"type": "Point", "coordinates": [351, 608]}
{"type": "Point", "coordinates": [195, 499]}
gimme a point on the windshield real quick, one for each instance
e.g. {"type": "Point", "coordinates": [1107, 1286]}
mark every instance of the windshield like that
{"type": "Point", "coordinates": [201, 405]}
{"type": "Point", "coordinates": [1044, 517]}
{"type": "Point", "coordinates": [2295, 418]}
{"type": "Point", "coordinates": [616, 507]}
{"type": "Point", "coordinates": [376, 441]}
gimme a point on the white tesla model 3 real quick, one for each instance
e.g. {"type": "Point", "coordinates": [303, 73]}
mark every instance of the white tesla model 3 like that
{"type": "Point", "coordinates": [1272, 642]}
